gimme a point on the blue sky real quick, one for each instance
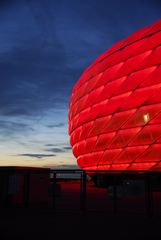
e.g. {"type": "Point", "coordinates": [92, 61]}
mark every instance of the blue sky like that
{"type": "Point", "coordinates": [44, 48]}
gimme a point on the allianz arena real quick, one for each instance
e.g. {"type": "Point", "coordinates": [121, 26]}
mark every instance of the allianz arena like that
{"type": "Point", "coordinates": [115, 107]}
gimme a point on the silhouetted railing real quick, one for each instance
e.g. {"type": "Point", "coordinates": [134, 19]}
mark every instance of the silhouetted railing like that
{"type": "Point", "coordinates": [61, 189]}
{"type": "Point", "coordinates": [116, 179]}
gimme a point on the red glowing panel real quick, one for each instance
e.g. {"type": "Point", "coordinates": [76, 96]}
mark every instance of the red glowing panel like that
{"type": "Point", "coordinates": [90, 143]}
{"type": "Point", "coordinates": [115, 107]}
{"type": "Point", "coordinates": [84, 160]}
{"type": "Point", "coordinates": [148, 135]}
{"type": "Point", "coordinates": [75, 150]}
{"type": "Point", "coordinates": [117, 120]}
{"type": "Point", "coordinates": [112, 105]}
{"type": "Point", "coordinates": [92, 83]}
{"type": "Point", "coordinates": [156, 120]}
{"type": "Point", "coordinates": [109, 155]}
{"type": "Point", "coordinates": [120, 166]}
{"type": "Point", "coordinates": [109, 89]}
{"type": "Point", "coordinates": [99, 125]}
{"type": "Point", "coordinates": [111, 72]}
{"type": "Point", "coordinates": [103, 141]}
{"type": "Point", "coordinates": [153, 78]}
{"type": "Point", "coordinates": [132, 63]}
{"type": "Point", "coordinates": [129, 154]}
{"type": "Point", "coordinates": [86, 129]}
{"type": "Point", "coordinates": [149, 43]}
{"type": "Point", "coordinates": [134, 79]}
{"type": "Point", "coordinates": [93, 96]}
{"type": "Point", "coordinates": [155, 98]}
{"type": "Point", "coordinates": [143, 116]}
{"type": "Point", "coordinates": [81, 147]}
{"type": "Point", "coordinates": [138, 97]}
{"type": "Point", "coordinates": [123, 137]}
{"type": "Point", "coordinates": [76, 136]}
{"type": "Point", "coordinates": [102, 167]}
{"type": "Point", "coordinates": [157, 167]}
{"type": "Point", "coordinates": [153, 59]}
{"type": "Point", "coordinates": [77, 108]}
{"type": "Point", "coordinates": [153, 153]}
{"type": "Point", "coordinates": [141, 166]}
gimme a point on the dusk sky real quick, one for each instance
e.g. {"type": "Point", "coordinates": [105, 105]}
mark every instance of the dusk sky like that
{"type": "Point", "coordinates": [44, 47]}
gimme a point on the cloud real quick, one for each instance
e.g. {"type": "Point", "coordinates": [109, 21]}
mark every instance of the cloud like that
{"type": "Point", "coordinates": [35, 155]}
{"type": "Point", "coordinates": [55, 150]}
{"type": "Point", "coordinates": [31, 61]}
{"type": "Point", "coordinates": [50, 145]}
{"type": "Point", "coordinates": [41, 61]}
{"type": "Point", "coordinates": [58, 149]}
{"type": "Point", "coordinates": [58, 125]}
{"type": "Point", "coordinates": [12, 125]}
{"type": "Point", "coordinates": [13, 128]}
{"type": "Point", "coordinates": [68, 148]}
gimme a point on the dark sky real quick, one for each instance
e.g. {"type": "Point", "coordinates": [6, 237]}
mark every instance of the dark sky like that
{"type": "Point", "coordinates": [44, 47]}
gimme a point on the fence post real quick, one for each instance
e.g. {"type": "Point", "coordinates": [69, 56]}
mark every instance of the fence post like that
{"type": "Point", "coordinates": [83, 191]}
{"type": "Point", "coordinates": [27, 189]}
{"type": "Point", "coordinates": [54, 189]}
{"type": "Point", "coordinates": [148, 193]}
{"type": "Point", "coordinates": [114, 194]}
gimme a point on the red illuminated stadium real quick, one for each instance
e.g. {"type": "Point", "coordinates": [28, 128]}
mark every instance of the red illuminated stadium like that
{"type": "Point", "coordinates": [115, 107]}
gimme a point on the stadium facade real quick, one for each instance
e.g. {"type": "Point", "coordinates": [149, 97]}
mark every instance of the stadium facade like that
{"type": "Point", "coordinates": [115, 107]}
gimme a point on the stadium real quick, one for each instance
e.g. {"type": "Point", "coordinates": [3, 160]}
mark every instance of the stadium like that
{"type": "Point", "coordinates": [115, 107]}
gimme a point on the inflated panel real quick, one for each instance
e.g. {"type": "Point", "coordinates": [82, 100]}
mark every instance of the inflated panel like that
{"type": "Point", "coordinates": [115, 107]}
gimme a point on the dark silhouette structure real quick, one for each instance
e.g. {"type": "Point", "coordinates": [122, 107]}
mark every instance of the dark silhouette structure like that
{"type": "Point", "coordinates": [24, 186]}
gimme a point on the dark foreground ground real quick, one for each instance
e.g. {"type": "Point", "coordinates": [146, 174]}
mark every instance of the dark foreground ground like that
{"type": "Point", "coordinates": [49, 224]}
{"type": "Point", "coordinates": [97, 222]}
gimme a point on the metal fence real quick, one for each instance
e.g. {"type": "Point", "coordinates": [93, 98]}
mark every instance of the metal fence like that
{"type": "Point", "coordinates": [125, 188]}
{"type": "Point", "coordinates": [117, 191]}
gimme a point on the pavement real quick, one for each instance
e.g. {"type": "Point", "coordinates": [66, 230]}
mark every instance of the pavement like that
{"type": "Point", "coordinates": [47, 223]}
